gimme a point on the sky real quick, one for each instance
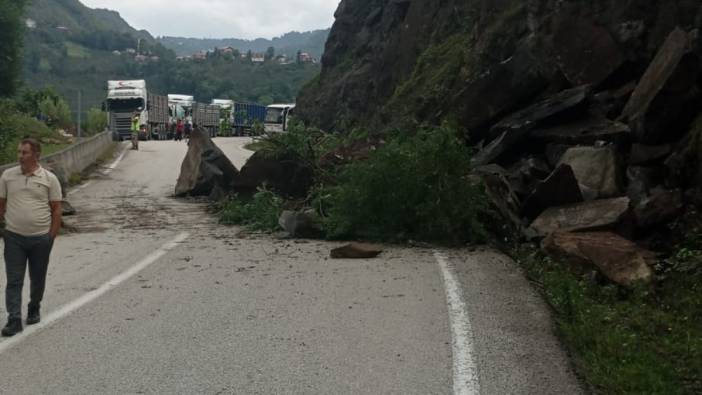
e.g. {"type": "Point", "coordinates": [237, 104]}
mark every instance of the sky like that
{"type": "Point", "coordinates": [247, 19]}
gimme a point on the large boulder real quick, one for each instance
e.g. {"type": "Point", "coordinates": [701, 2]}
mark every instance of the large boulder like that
{"type": "Point", "coordinates": [618, 259]}
{"type": "Point", "coordinates": [568, 101]}
{"type": "Point", "coordinates": [660, 207]}
{"type": "Point", "coordinates": [559, 189]}
{"type": "Point", "coordinates": [663, 100]}
{"type": "Point", "coordinates": [595, 215]}
{"type": "Point", "coordinates": [585, 52]}
{"type": "Point", "coordinates": [585, 132]}
{"type": "Point", "coordinates": [286, 175]}
{"type": "Point", "coordinates": [205, 166]}
{"type": "Point", "coordinates": [301, 223]}
{"type": "Point", "coordinates": [596, 169]}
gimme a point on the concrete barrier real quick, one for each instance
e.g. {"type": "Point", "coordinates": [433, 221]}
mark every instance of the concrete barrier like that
{"type": "Point", "coordinates": [76, 158]}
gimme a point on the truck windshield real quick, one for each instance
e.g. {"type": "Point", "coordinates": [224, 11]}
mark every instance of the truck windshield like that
{"type": "Point", "coordinates": [274, 115]}
{"type": "Point", "coordinates": [125, 105]}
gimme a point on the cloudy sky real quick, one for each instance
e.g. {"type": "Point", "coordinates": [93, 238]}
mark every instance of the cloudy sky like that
{"type": "Point", "coordinates": [223, 18]}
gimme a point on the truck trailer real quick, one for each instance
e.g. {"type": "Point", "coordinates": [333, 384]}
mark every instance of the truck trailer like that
{"type": "Point", "coordinates": [206, 116]}
{"type": "Point", "coordinates": [246, 115]}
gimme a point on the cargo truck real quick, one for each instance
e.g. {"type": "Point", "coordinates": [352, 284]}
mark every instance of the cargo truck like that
{"type": "Point", "coordinates": [246, 116]}
{"type": "Point", "coordinates": [157, 106]}
{"type": "Point", "coordinates": [124, 100]}
{"type": "Point", "coordinates": [206, 116]}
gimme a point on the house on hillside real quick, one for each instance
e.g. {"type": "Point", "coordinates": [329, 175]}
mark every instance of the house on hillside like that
{"type": "Point", "coordinates": [30, 23]}
{"type": "Point", "coordinates": [258, 57]}
{"type": "Point", "coordinates": [202, 55]}
{"type": "Point", "coordinates": [305, 57]}
{"type": "Point", "coordinates": [116, 53]}
{"type": "Point", "coordinates": [130, 51]}
{"type": "Point", "coordinates": [140, 58]}
{"type": "Point", "coordinates": [226, 50]}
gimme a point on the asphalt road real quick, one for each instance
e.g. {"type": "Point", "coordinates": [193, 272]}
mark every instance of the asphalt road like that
{"type": "Point", "coordinates": [150, 295]}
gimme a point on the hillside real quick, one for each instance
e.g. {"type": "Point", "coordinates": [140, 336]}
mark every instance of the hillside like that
{"type": "Point", "coordinates": [311, 42]}
{"type": "Point", "coordinates": [73, 47]}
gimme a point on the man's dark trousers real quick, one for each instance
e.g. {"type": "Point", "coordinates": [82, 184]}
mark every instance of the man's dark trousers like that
{"type": "Point", "coordinates": [18, 251]}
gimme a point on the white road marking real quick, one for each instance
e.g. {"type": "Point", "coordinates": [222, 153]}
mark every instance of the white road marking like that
{"type": "Point", "coordinates": [105, 172]}
{"type": "Point", "coordinates": [465, 370]}
{"type": "Point", "coordinates": [69, 308]}
{"type": "Point", "coordinates": [115, 163]}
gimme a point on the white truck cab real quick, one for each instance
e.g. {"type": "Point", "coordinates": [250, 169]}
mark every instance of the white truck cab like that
{"type": "Point", "coordinates": [124, 98]}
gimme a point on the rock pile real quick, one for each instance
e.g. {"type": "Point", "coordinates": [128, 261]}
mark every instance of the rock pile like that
{"type": "Point", "coordinates": [609, 161]}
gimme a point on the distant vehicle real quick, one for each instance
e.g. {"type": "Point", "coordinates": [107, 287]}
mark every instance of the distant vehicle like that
{"type": "Point", "coordinates": [207, 117]}
{"type": "Point", "coordinates": [278, 117]}
{"type": "Point", "coordinates": [124, 99]}
{"type": "Point", "coordinates": [246, 116]}
{"type": "Point", "coordinates": [180, 107]}
{"type": "Point", "coordinates": [226, 115]}
{"type": "Point", "coordinates": [157, 106]}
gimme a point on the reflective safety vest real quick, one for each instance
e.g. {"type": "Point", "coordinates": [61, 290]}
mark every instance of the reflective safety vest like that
{"type": "Point", "coordinates": [135, 124]}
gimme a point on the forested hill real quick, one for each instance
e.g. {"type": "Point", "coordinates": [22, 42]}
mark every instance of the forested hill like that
{"type": "Point", "coordinates": [311, 42]}
{"type": "Point", "coordinates": [75, 48]}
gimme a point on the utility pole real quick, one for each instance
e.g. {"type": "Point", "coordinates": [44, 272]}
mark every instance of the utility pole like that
{"type": "Point", "coordinates": [79, 113]}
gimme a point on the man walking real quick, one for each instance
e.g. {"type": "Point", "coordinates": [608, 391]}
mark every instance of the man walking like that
{"type": "Point", "coordinates": [30, 201]}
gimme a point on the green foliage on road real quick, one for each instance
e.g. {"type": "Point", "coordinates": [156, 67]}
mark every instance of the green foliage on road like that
{"type": "Point", "coordinates": [411, 186]}
{"type": "Point", "coordinates": [260, 213]}
{"type": "Point", "coordinates": [641, 341]}
{"type": "Point", "coordinates": [414, 187]}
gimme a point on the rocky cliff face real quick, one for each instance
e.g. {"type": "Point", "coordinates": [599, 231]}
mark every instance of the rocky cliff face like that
{"type": "Point", "coordinates": [586, 115]}
{"type": "Point", "coordinates": [395, 62]}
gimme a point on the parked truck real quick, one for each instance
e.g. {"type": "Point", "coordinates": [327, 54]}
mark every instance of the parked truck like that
{"type": "Point", "coordinates": [124, 100]}
{"type": "Point", "coordinates": [278, 117]}
{"type": "Point", "coordinates": [226, 115]}
{"type": "Point", "coordinates": [157, 106]}
{"type": "Point", "coordinates": [206, 116]}
{"type": "Point", "coordinates": [246, 116]}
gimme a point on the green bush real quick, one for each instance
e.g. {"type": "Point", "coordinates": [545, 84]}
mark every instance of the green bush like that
{"type": "Point", "coordinates": [260, 213]}
{"type": "Point", "coordinates": [96, 122]}
{"type": "Point", "coordinates": [413, 187]}
{"type": "Point", "coordinates": [14, 126]}
{"type": "Point", "coordinates": [57, 111]}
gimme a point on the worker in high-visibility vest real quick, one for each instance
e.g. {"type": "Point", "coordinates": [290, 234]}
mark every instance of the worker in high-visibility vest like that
{"type": "Point", "coordinates": [135, 131]}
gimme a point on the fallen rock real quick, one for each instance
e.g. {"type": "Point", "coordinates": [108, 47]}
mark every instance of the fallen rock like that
{"type": "Point", "coordinates": [356, 251]}
{"type": "Point", "coordinates": [598, 214]}
{"type": "Point", "coordinates": [554, 153]}
{"type": "Point", "coordinates": [596, 169]}
{"type": "Point", "coordinates": [501, 195]}
{"type": "Point", "coordinates": [526, 173]}
{"type": "Point", "coordinates": [533, 115]}
{"type": "Point", "coordinates": [67, 209]}
{"type": "Point", "coordinates": [660, 207]}
{"type": "Point", "coordinates": [585, 52]}
{"type": "Point", "coordinates": [585, 132]}
{"type": "Point", "coordinates": [618, 259]}
{"type": "Point", "coordinates": [300, 223]}
{"type": "Point", "coordinates": [651, 110]}
{"type": "Point", "coordinates": [647, 154]}
{"type": "Point", "coordinates": [641, 180]}
{"type": "Point", "coordinates": [499, 147]}
{"type": "Point", "coordinates": [559, 189]}
{"type": "Point", "coordinates": [287, 176]}
{"type": "Point", "coordinates": [204, 167]}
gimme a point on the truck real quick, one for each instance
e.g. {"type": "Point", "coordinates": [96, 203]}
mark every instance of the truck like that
{"type": "Point", "coordinates": [124, 100]}
{"type": "Point", "coordinates": [226, 115]}
{"type": "Point", "coordinates": [157, 107]}
{"type": "Point", "coordinates": [179, 107]}
{"type": "Point", "coordinates": [206, 116]}
{"type": "Point", "coordinates": [278, 117]}
{"type": "Point", "coordinates": [246, 116]}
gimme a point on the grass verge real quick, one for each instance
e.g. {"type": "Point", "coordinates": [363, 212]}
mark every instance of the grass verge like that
{"type": "Point", "coordinates": [639, 341]}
